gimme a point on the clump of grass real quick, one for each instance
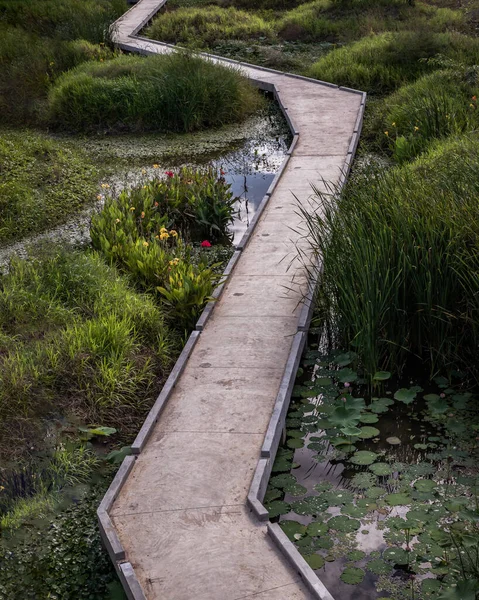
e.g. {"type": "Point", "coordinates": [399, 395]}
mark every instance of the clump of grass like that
{"type": "Point", "coordinates": [400, 259]}
{"type": "Point", "coordinates": [179, 92]}
{"type": "Point", "coordinates": [43, 182]}
{"type": "Point", "coordinates": [202, 27]}
{"type": "Point", "coordinates": [382, 63]}
{"type": "Point", "coordinates": [77, 338]}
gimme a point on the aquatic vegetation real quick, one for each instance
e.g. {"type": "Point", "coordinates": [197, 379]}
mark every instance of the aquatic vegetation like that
{"type": "Point", "coordinates": [177, 92]}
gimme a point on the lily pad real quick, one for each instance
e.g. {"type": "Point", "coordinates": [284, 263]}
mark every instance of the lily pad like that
{"type": "Point", "coordinates": [362, 481]}
{"type": "Point", "coordinates": [430, 586]}
{"type": "Point", "coordinates": [315, 561]}
{"type": "Point", "coordinates": [346, 375]}
{"type": "Point", "coordinates": [295, 443]}
{"type": "Point", "coordinates": [345, 359]}
{"type": "Point", "coordinates": [272, 494]}
{"type": "Point", "coordinates": [351, 431]}
{"type": "Point", "coordinates": [425, 485]}
{"type": "Point", "coordinates": [352, 575]}
{"type": "Point", "coordinates": [397, 556]}
{"type": "Point", "coordinates": [355, 555]}
{"type": "Point", "coordinates": [367, 433]}
{"type": "Point", "coordinates": [368, 418]}
{"type": "Point", "coordinates": [381, 469]}
{"type": "Point", "coordinates": [277, 507]}
{"type": "Point", "coordinates": [398, 499]}
{"type": "Point", "coordinates": [283, 480]}
{"type": "Point", "coordinates": [338, 497]}
{"type": "Point", "coordinates": [380, 405]}
{"type": "Point", "coordinates": [344, 524]}
{"type": "Point", "coordinates": [292, 529]}
{"type": "Point", "coordinates": [363, 457]}
{"type": "Point", "coordinates": [379, 567]}
{"type": "Point", "coordinates": [381, 376]}
{"type": "Point", "coordinates": [438, 406]}
{"type": "Point", "coordinates": [356, 512]}
{"type": "Point", "coordinates": [375, 492]}
{"type": "Point", "coordinates": [316, 528]}
{"type": "Point", "coordinates": [344, 416]}
{"type": "Point", "coordinates": [405, 395]}
{"type": "Point", "coordinates": [393, 440]}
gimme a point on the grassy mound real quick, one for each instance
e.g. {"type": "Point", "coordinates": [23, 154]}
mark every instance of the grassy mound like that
{"type": "Point", "coordinates": [401, 269]}
{"type": "Point", "coordinates": [165, 93]}
{"type": "Point", "coordinates": [43, 183]}
{"type": "Point", "coordinates": [382, 63]}
{"type": "Point", "coordinates": [202, 27]}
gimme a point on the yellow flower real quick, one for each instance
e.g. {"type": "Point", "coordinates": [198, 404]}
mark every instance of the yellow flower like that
{"type": "Point", "coordinates": [393, 124]}
{"type": "Point", "coordinates": [416, 128]}
{"type": "Point", "coordinates": [105, 186]}
{"type": "Point", "coordinates": [163, 230]}
{"type": "Point", "coordinates": [142, 215]}
{"type": "Point", "coordinates": [117, 221]}
{"type": "Point", "coordinates": [143, 171]}
{"type": "Point", "coordinates": [146, 244]}
{"type": "Point", "coordinates": [132, 208]}
{"type": "Point", "coordinates": [386, 133]}
{"type": "Point", "coordinates": [157, 237]}
{"type": "Point", "coordinates": [99, 197]}
{"type": "Point", "coordinates": [173, 233]}
{"type": "Point", "coordinates": [471, 105]}
{"type": "Point", "coordinates": [51, 64]}
{"type": "Point", "coordinates": [155, 166]}
{"type": "Point", "coordinates": [164, 236]}
{"type": "Point", "coordinates": [144, 187]}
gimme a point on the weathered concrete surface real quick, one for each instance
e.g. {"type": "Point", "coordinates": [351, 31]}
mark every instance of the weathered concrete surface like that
{"type": "Point", "coordinates": [181, 515]}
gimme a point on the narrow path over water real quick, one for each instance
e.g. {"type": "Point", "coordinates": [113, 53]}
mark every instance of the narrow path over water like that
{"type": "Point", "coordinates": [181, 515]}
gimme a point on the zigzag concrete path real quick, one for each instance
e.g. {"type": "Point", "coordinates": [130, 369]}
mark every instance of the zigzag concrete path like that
{"type": "Point", "coordinates": [182, 516]}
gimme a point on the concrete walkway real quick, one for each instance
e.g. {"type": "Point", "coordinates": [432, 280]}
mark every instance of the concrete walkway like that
{"type": "Point", "coordinates": [181, 515]}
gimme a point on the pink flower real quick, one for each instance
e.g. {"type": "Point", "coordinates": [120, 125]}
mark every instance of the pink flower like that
{"type": "Point", "coordinates": [205, 244]}
{"type": "Point", "coordinates": [346, 385]}
{"type": "Point", "coordinates": [169, 173]}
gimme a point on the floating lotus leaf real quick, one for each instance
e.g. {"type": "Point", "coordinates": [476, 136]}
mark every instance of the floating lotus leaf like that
{"type": "Point", "coordinates": [393, 440]}
{"type": "Point", "coordinates": [381, 469]}
{"type": "Point", "coordinates": [355, 555]}
{"type": "Point", "coordinates": [310, 419]}
{"type": "Point", "coordinates": [425, 485]}
{"type": "Point", "coordinates": [323, 381]}
{"type": "Point", "coordinates": [421, 446]}
{"type": "Point", "coordinates": [281, 465]}
{"type": "Point", "coordinates": [295, 489]}
{"type": "Point", "coordinates": [381, 376]}
{"type": "Point", "coordinates": [277, 507]}
{"type": "Point", "coordinates": [439, 406]}
{"type": "Point", "coordinates": [343, 416]}
{"type": "Point", "coordinates": [363, 481]}
{"type": "Point", "coordinates": [272, 494]}
{"type": "Point", "coordinates": [405, 395]}
{"type": "Point", "coordinates": [463, 590]}
{"type": "Point", "coordinates": [329, 558]}
{"type": "Point", "coordinates": [338, 497]}
{"type": "Point", "coordinates": [460, 401]}
{"type": "Point", "coordinates": [397, 556]}
{"type": "Point", "coordinates": [343, 360]}
{"type": "Point", "coordinates": [295, 443]}
{"type": "Point", "coordinates": [316, 528]}
{"type": "Point", "coordinates": [420, 470]}
{"type": "Point", "coordinates": [352, 575]}
{"type": "Point", "coordinates": [324, 486]}
{"type": "Point", "coordinates": [398, 499]}
{"type": "Point", "coordinates": [368, 432]}
{"type": "Point", "coordinates": [354, 511]}
{"type": "Point", "coordinates": [337, 442]}
{"type": "Point", "coordinates": [363, 457]}
{"type": "Point", "coordinates": [293, 423]}
{"type": "Point", "coordinates": [431, 397]}
{"type": "Point", "coordinates": [351, 431]}
{"type": "Point", "coordinates": [368, 503]}
{"type": "Point", "coordinates": [345, 375]}
{"type": "Point", "coordinates": [380, 405]}
{"type": "Point", "coordinates": [315, 561]}
{"type": "Point", "coordinates": [456, 427]}
{"type": "Point", "coordinates": [375, 492]}
{"type": "Point", "coordinates": [430, 586]}
{"type": "Point", "coordinates": [379, 567]}
{"type": "Point", "coordinates": [292, 529]}
{"type": "Point", "coordinates": [368, 418]}
{"type": "Point", "coordinates": [313, 505]}
{"type": "Point", "coordinates": [324, 543]}
{"type": "Point", "coordinates": [296, 433]}
{"type": "Point", "coordinates": [351, 402]}
{"type": "Point", "coordinates": [442, 382]}
{"type": "Point", "coordinates": [344, 524]}
{"type": "Point", "coordinates": [281, 481]}
{"type": "Point", "coordinates": [457, 504]}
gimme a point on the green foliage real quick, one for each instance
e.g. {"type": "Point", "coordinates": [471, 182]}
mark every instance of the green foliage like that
{"type": "Point", "coordinates": [177, 92]}
{"type": "Point", "coordinates": [400, 260]}
{"type": "Point", "coordinates": [200, 27]}
{"type": "Point", "coordinates": [65, 561]}
{"type": "Point", "coordinates": [42, 183]}
{"type": "Point", "coordinates": [382, 63]}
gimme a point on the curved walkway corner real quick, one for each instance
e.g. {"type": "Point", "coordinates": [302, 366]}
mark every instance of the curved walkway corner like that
{"type": "Point", "coordinates": [180, 520]}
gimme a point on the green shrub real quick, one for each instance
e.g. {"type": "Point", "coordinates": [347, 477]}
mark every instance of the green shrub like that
{"type": "Point", "coordinates": [400, 261]}
{"type": "Point", "coordinates": [436, 106]}
{"type": "Point", "coordinates": [43, 182]}
{"type": "Point", "coordinates": [202, 27]}
{"type": "Point", "coordinates": [177, 92]}
{"type": "Point", "coordinates": [382, 63]}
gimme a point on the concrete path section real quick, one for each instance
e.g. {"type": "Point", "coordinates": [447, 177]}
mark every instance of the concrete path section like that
{"type": "Point", "coordinates": [181, 515]}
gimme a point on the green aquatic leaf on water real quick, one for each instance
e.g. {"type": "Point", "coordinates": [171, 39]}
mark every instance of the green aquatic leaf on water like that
{"type": "Point", "coordinates": [295, 433]}
{"type": "Point", "coordinates": [442, 382]}
{"type": "Point", "coordinates": [381, 469]}
{"type": "Point", "coordinates": [363, 457]}
{"type": "Point", "coordinates": [381, 376]}
{"type": "Point", "coordinates": [324, 543]}
{"type": "Point", "coordinates": [343, 360]}
{"type": "Point", "coordinates": [337, 442]}
{"type": "Point", "coordinates": [368, 418]}
{"type": "Point", "coordinates": [380, 405]}
{"type": "Point", "coordinates": [430, 586]}
{"type": "Point", "coordinates": [398, 499]}
{"type": "Point", "coordinates": [425, 485]}
{"type": "Point", "coordinates": [295, 489]}
{"type": "Point", "coordinates": [315, 561]}
{"type": "Point", "coordinates": [431, 397]}
{"type": "Point", "coordinates": [313, 505]}
{"type": "Point", "coordinates": [367, 432]}
{"type": "Point", "coordinates": [292, 529]}
{"type": "Point", "coordinates": [295, 443]}
{"type": "Point", "coordinates": [281, 481]}
{"type": "Point", "coordinates": [393, 440]}
{"type": "Point", "coordinates": [352, 575]}
{"type": "Point", "coordinates": [346, 375]}
{"type": "Point", "coordinates": [343, 416]}
{"type": "Point", "coordinates": [397, 556]}
{"type": "Point", "coordinates": [439, 406]}
{"type": "Point", "coordinates": [406, 395]}
{"type": "Point", "coordinates": [363, 481]}
{"type": "Point", "coordinates": [272, 494]}
{"type": "Point", "coordinates": [351, 431]}
{"type": "Point", "coordinates": [354, 511]}
{"type": "Point", "coordinates": [375, 492]}
{"type": "Point", "coordinates": [355, 555]}
{"type": "Point", "coordinates": [379, 567]}
{"type": "Point", "coordinates": [277, 508]}
{"type": "Point", "coordinates": [338, 497]}
{"type": "Point", "coordinates": [421, 446]}
{"type": "Point", "coordinates": [463, 590]}
{"type": "Point", "coordinates": [344, 524]}
{"type": "Point", "coordinates": [316, 528]}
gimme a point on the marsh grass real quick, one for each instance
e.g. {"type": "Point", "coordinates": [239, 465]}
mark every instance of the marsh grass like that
{"type": "Point", "coordinates": [400, 261]}
{"type": "Point", "coordinates": [43, 183]}
{"type": "Point", "coordinates": [179, 92]}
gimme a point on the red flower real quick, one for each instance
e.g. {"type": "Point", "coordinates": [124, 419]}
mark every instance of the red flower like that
{"type": "Point", "coordinates": [169, 173]}
{"type": "Point", "coordinates": [205, 244]}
